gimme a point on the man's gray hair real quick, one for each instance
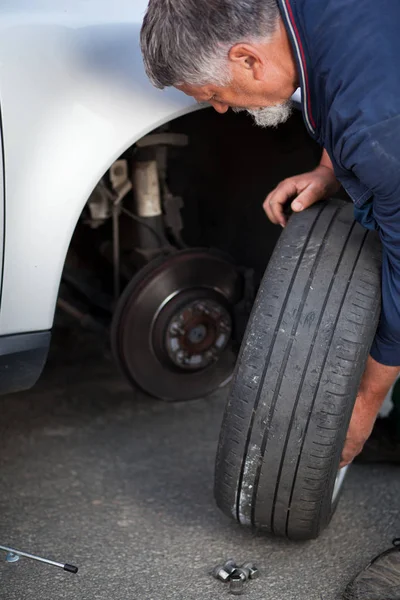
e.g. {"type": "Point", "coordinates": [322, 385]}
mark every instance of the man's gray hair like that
{"type": "Point", "coordinates": [188, 41]}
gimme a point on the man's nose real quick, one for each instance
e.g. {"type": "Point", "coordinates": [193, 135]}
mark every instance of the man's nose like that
{"type": "Point", "coordinates": [220, 108]}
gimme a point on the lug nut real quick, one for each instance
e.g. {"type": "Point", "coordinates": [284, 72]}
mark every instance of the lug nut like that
{"type": "Point", "coordinates": [236, 576]}
{"type": "Point", "coordinates": [221, 573]}
{"type": "Point", "coordinates": [254, 573]}
{"type": "Point", "coordinates": [243, 572]}
{"type": "Point", "coordinates": [230, 566]}
{"type": "Point", "coordinates": [236, 586]}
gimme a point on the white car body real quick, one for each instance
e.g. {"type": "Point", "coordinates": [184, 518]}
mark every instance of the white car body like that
{"type": "Point", "coordinates": [72, 86]}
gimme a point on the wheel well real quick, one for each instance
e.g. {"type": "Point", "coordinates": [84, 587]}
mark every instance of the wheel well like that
{"type": "Point", "coordinates": [222, 175]}
{"type": "Point", "coordinates": [225, 172]}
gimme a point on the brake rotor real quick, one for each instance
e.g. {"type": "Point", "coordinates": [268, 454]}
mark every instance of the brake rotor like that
{"type": "Point", "coordinates": [172, 329]}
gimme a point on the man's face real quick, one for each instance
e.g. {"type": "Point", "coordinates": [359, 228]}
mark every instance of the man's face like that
{"type": "Point", "coordinates": [263, 78]}
{"type": "Point", "coordinates": [267, 110]}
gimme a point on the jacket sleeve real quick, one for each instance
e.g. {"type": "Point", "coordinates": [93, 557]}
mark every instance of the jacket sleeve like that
{"type": "Point", "coordinates": [373, 155]}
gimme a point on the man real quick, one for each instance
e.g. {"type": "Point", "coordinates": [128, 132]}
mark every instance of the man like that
{"type": "Point", "coordinates": [252, 55]}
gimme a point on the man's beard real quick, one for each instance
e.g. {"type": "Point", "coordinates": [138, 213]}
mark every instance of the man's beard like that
{"type": "Point", "coordinates": [271, 116]}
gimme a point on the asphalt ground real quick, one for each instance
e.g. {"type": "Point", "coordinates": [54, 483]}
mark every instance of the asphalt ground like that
{"type": "Point", "coordinates": [94, 474]}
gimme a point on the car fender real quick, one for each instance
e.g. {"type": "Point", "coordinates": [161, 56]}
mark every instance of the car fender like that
{"type": "Point", "coordinates": [74, 97]}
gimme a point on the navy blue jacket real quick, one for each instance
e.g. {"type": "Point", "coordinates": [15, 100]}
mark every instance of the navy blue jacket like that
{"type": "Point", "coordinates": [348, 57]}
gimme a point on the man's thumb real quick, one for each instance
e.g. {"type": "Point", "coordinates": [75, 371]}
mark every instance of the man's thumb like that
{"type": "Point", "coordinates": [304, 200]}
{"type": "Point", "coordinates": [297, 206]}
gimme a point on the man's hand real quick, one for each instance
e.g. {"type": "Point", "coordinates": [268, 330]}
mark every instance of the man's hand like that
{"type": "Point", "coordinates": [305, 189]}
{"type": "Point", "coordinates": [361, 425]}
{"type": "Point", "coordinates": [376, 383]}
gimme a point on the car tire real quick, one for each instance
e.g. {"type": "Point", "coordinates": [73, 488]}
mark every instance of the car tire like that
{"type": "Point", "coordinates": [298, 373]}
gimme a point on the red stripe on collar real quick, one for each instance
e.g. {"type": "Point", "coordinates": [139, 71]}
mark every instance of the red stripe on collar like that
{"type": "Point", "coordinates": [303, 60]}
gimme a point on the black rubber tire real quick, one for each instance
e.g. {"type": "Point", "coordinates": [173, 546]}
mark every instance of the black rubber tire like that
{"type": "Point", "coordinates": [298, 373]}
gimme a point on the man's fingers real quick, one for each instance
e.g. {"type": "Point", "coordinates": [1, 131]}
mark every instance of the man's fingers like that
{"type": "Point", "coordinates": [345, 459]}
{"type": "Point", "coordinates": [304, 190]}
{"type": "Point", "coordinates": [306, 199]}
{"type": "Point", "coordinates": [276, 201]}
{"type": "Point", "coordinates": [273, 213]}
{"type": "Point", "coordinates": [305, 193]}
{"type": "Point", "coordinates": [352, 448]}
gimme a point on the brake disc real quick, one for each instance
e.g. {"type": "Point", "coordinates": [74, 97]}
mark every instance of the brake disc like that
{"type": "Point", "coordinates": [172, 329]}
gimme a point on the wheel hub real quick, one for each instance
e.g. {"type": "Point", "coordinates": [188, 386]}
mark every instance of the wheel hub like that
{"type": "Point", "coordinates": [198, 334]}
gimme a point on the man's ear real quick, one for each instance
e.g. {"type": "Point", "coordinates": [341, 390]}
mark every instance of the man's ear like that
{"type": "Point", "coordinates": [249, 58]}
